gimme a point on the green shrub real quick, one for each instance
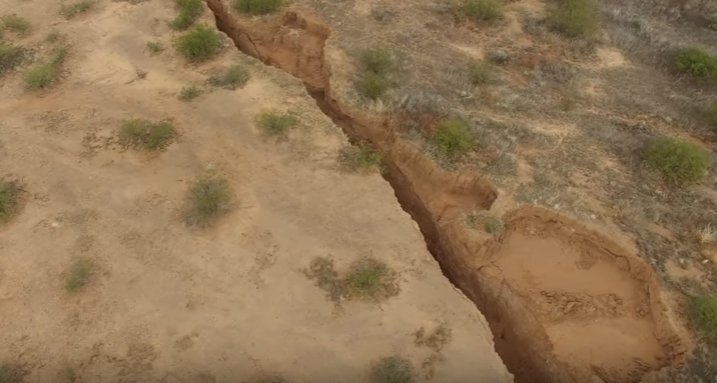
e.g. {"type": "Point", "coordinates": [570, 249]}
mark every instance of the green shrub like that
{"type": "Point", "coordinates": [15, 23]}
{"type": "Point", "coordinates": [257, 7]}
{"type": "Point", "coordinates": [575, 18]}
{"type": "Point", "coordinates": [235, 76]}
{"type": "Point", "coordinates": [393, 369]}
{"type": "Point", "coordinates": [696, 62]}
{"type": "Point", "coordinates": [359, 157]}
{"type": "Point", "coordinates": [10, 57]}
{"type": "Point", "coordinates": [72, 10]}
{"type": "Point", "coordinates": [481, 10]}
{"type": "Point", "coordinates": [200, 44]}
{"type": "Point", "coordinates": [189, 93]}
{"type": "Point", "coordinates": [703, 312]}
{"type": "Point", "coordinates": [9, 200]}
{"type": "Point", "coordinates": [276, 124]}
{"type": "Point", "coordinates": [44, 75]}
{"type": "Point", "coordinates": [78, 276]}
{"type": "Point", "coordinates": [481, 73]}
{"type": "Point", "coordinates": [367, 279]}
{"type": "Point", "coordinates": [154, 47]}
{"type": "Point", "coordinates": [679, 161]}
{"type": "Point", "coordinates": [373, 85]}
{"type": "Point", "coordinates": [209, 198]}
{"type": "Point", "coordinates": [711, 113]}
{"type": "Point", "coordinates": [147, 135]}
{"type": "Point", "coordinates": [377, 60]}
{"type": "Point", "coordinates": [189, 12]}
{"type": "Point", "coordinates": [453, 138]}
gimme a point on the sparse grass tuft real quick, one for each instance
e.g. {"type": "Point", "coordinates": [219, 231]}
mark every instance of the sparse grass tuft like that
{"type": "Point", "coordinates": [575, 18]}
{"type": "Point", "coordinates": [276, 124]}
{"type": "Point", "coordinates": [679, 161]}
{"type": "Point", "coordinates": [236, 76]}
{"type": "Point", "coordinates": [367, 279]}
{"type": "Point", "coordinates": [453, 138]}
{"type": "Point", "coordinates": [146, 134]}
{"type": "Point", "coordinates": [393, 369]}
{"type": "Point", "coordinates": [9, 200]}
{"type": "Point", "coordinates": [189, 12]}
{"type": "Point", "coordinates": [359, 157]}
{"type": "Point", "coordinates": [707, 235]}
{"type": "Point", "coordinates": [154, 47]}
{"type": "Point", "coordinates": [209, 198]}
{"type": "Point", "coordinates": [711, 114]}
{"type": "Point", "coordinates": [481, 73]}
{"type": "Point", "coordinates": [377, 60]}
{"type": "Point", "coordinates": [71, 10]}
{"type": "Point", "coordinates": [373, 86]}
{"type": "Point", "coordinates": [78, 276]}
{"type": "Point", "coordinates": [15, 23]}
{"type": "Point", "coordinates": [199, 44]}
{"type": "Point", "coordinates": [436, 340]}
{"type": "Point", "coordinates": [703, 313]}
{"type": "Point", "coordinates": [257, 7]}
{"type": "Point", "coordinates": [42, 76]}
{"type": "Point", "coordinates": [189, 93]}
{"type": "Point", "coordinates": [696, 62]}
{"type": "Point", "coordinates": [376, 65]}
{"type": "Point", "coordinates": [10, 57]}
{"type": "Point", "coordinates": [480, 10]}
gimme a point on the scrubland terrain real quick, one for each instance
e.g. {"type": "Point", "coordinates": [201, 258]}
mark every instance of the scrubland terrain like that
{"type": "Point", "coordinates": [357, 190]}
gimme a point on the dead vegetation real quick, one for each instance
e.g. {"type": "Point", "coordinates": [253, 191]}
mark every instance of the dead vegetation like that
{"type": "Point", "coordinates": [366, 279]}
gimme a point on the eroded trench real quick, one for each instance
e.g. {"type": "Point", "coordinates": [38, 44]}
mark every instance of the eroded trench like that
{"type": "Point", "coordinates": [295, 43]}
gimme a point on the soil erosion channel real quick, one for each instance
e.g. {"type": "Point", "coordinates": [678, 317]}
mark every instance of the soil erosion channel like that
{"type": "Point", "coordinates": [564, 304]}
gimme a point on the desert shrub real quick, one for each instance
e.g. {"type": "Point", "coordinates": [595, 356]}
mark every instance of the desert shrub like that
{"type": "Point", "coordinates": [679, 161]}
{"type": "Point", "coordinates": [367, 279]}
{"type": "Point", "coordinates": [78, 276]}
{"type": "Point", "coordinates": [154, 47]}
{"type": "Point", "coordinates": [711, 113]}
{"type": "Point", "coordinates": [71, 10]}
{"type": "Point", "coordinates": [189, 12]}
{"type": "Point", "coordinates": [275, 123]}
{"type": "Point", "coordinates": [44, 75]}
{"type": "Point", "coordinates": [453, 138]}
{"type": "Point", "coordinates": [235, 76]}
{"type": "Point", "coordinates": [696, 62]}
{"type": "Point", "coordinates": [146, 134]}
{"type": "Point", "coordinates": [15, 23]}
{"type": "Point", "coordinates": [480, 10]}
{"type": "Point", "coordinates": [703, 312]}
{"type": "Point", "coordinates": [393, 369]}
{"type": "Point", "coordinates": [200, 44]}
{"type": "Point", "coordinates": [481, 73]}
{"type": "Point", "coordinates": [209, 198]}
{"type": "Point", "coordinates": [373, 85]}
{"type": "Point", "coordinates": [189, 93]}
{"type": "Point", "coordinates": [10, 57]}
{"type": "Point", "coordinates": [359, 157]}
{"type": "Point", "coordinates": [376, 64]}
{"type": "Point", "coordinates": [377, 60]}
{"type": "Point", "coordinates": [575, 18]}
{"type": "Point", "coordinates": [9, 200]}
{"type": "Point", "coordinates": [257, 7]}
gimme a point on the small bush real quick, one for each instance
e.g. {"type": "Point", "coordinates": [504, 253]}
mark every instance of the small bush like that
{"type": "Point", "coordinates": [78, 276]}
{"type": "Point", "coordinates": [679, 161]}
{"type": "Point", "coordinates": [44, 75]}
{"type": "Point", "coordinates": [276, 124]}
{"type": "Point", "coordinates": [257, 7]}
{"type": "Point", "coordinates": [9, 200]}
{"type": "Point", "coordinates": [189, 12]}
{"type": "Point", "coordinates": [209, 198]}
{"type": "Point", "coordinates": [367, 279]}
{"type": "Point", "coordinates": [373, 85]}
{"type": "Point", "coordinates": [154, 47]}
{"type": "Point", "coordinates": [377, 60]}
{"type": "Point", "coordinates": [703, 310]}
{"type": "Point", "coordinates": [15, 23]}
{"type": "Point", "coordinates": [575, 18]}
{"type": "Point", "coordinates": [453, 138]}
{"type": "Point", "coordinates": [711, 113]}
{"type": "Point", "coordinates": [200, 44]}
{"type": "Point", "coordinates": [393, 369]}
{"type": "Point", "coordinates": [10, 57]}
{"type": "Point", "coordinates": [481, 73]}
{"type": "Point", "coordinates": [72, 10]}
{"type": "Point", "coordinates": [359, 157]}
{"type": "Point", "coordinates": [189, 93]}
{"type": "Point", "coordinates": [234, 77]}
{"type": "Point", "coordinates": [481, 10]}
{"type": "Point", "coordinates": [696, 62]}
{"type": "Point", "coordinates": [146, 134]}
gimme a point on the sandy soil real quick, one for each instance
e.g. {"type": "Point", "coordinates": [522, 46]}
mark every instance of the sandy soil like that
{"type": "Point", "coordinates": [172, 304]}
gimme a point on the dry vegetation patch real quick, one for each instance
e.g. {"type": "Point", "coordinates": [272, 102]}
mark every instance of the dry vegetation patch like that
{"type": "Point", "coordinates": [236, 76]}
{"type": "Point", "coordinates": [209, 198]}
{"type": "Point", "coordinates": [366, 279]}
{"type": "Point", "coordinates": [148, 135]}
{"type": "Point", "coordinates": [15, 24]}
